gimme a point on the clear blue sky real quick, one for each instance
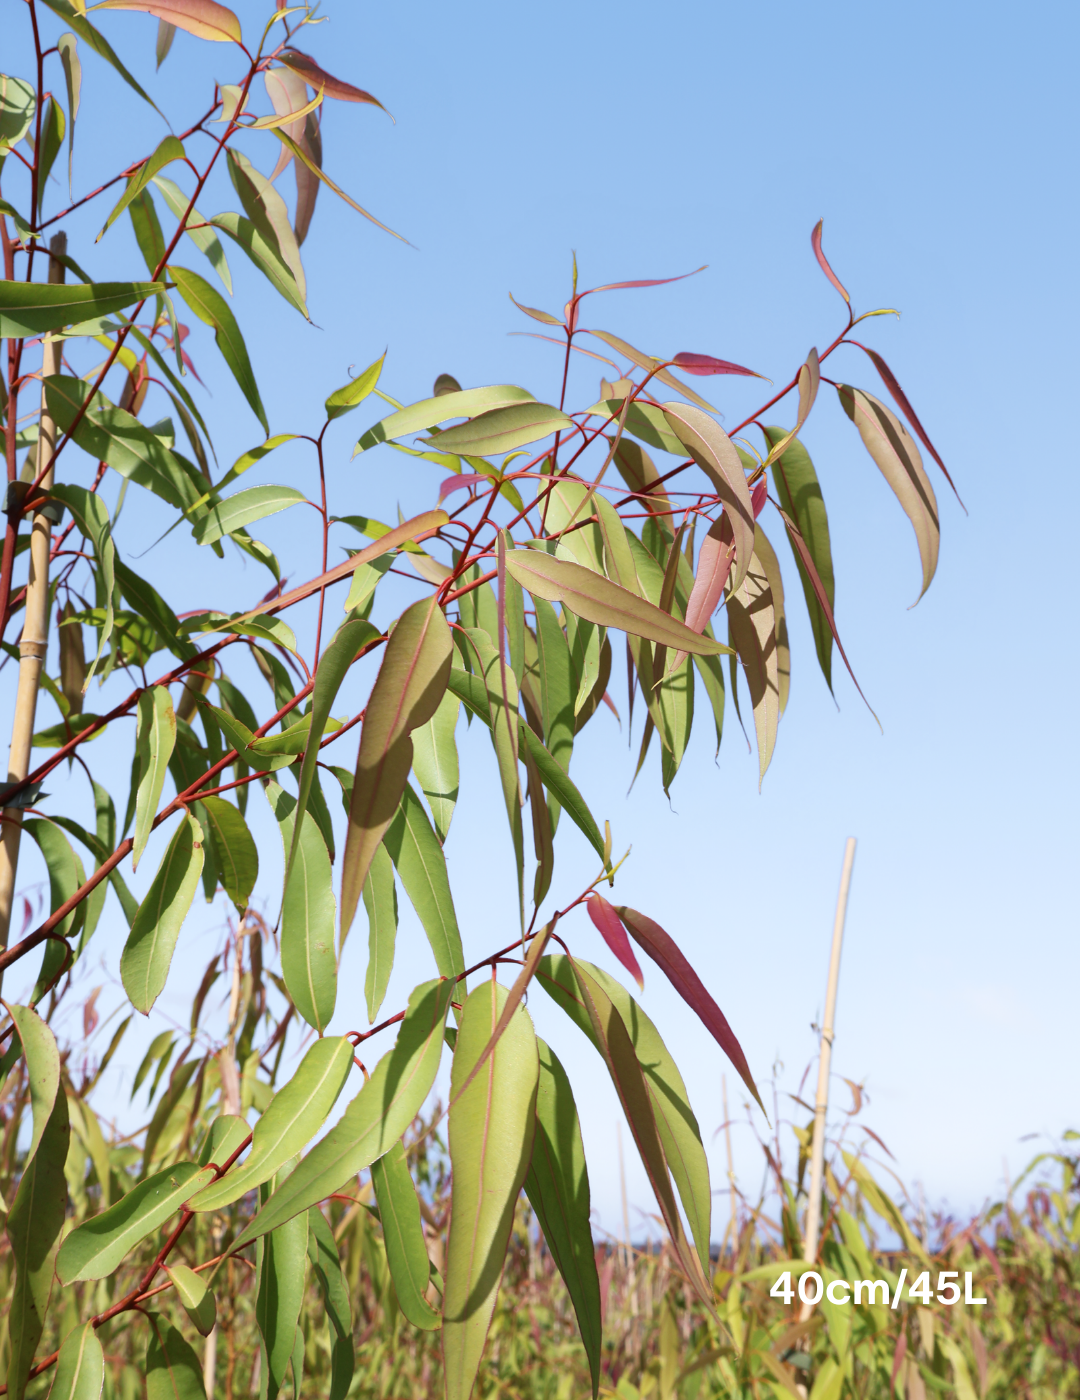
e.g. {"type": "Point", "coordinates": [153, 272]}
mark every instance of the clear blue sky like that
{"type": "Point", "coordinates": [937, 143]}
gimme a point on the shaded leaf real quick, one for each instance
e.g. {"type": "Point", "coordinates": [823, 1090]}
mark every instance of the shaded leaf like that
{"type": "Point", "coordinates": [280, 1294]}
{"type": "Point", "coordinates": [169, 150]}
{"type": "Point", "coordinates": [707, 364]}
{"type": "Point", "coordinates": [42, 1070]}
{"type": "Point", "coordinates": [234, 849]}
{"type": "Point", "coordinates": [890, 381]}
{"type": "Point", "coordinates": [173, 1371]}
{"type": "Point", "coordinates": [323, 1254]}
{"type": "Point", "coordinates": [800, 496]}
{"type": "Point", "coordinates": [33, 308]}
{"type": "Point", "coordinates": [155, 738]}
{"type": "Point", "coordinates": [421, 867]}
{"type": "Point", "coordinates": [144, 963]}
{"type": "Point", "coordinates": [435, 762]}
{"type": "Point", "coordinates": [210, 308]}
{"type": "Point", "coordinates": [195, 1296]}
{"type": "Point", "coordinates": [403, 1236]}
{"type": "Point", "coordinates": [380, 904]}
{"type": "Point", "coordinates": [752, 629]}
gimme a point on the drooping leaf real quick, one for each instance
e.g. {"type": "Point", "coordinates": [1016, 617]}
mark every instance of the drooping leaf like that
{"type": "Point", "coordinates": [169, 150]}
{"type": "Point", "coordinates": [234, 849]}
{"type": "Point", "coordinates": [154, 743]}
{"type": "Point", "coordinates": [210, 308]}
{"type": "Point", "coordinates": [771, 565]}
{"type": "Point", "coordinates": [263, 254]}
{"type": "Point", "coordinates": [166, 33]}
{"type": "Point", "coordinates": [204, 237]}
{"type": "Point", "coordinates": [42, 1070]}
{"type": "Point", "coordinates": [407, 691]}
{"type": "Point", "coordinates": [244, 508]}
{"type": "Point", "coordinates": [403, 1236]}
{"type": "Point", "coordinates": [97, 41]}
{"type": "Point", "coordinates": [607, 924]}
{"type": "Point", "coordinates": [719, 459]}
{"type": "Point", "coordinates": [310, 156]}
{"type": "Point", "coordinates": [206, 19]}
{"type": "Point", "coordinates": [80, 1367]}
{"type": "Point", "coordinates": [66, 873]}
{"type": "Point", "coordinates": [491, 1130]}
{"type": "Point", "coordinates": [323, 1254]}
{"type": "Point", "coordinates": [374, 1120]}
{"type": "Point", "coordinates": [173, 1371]}
{"type": "Point", "coordinates": [752, 629]}
{"type": "Point", "coordinates": [267, 211]}
{"type": "Point", "coordinates": [52, 138]}
{"type": "Point", "coordinates": [599, 600]}
{"type": "Point", "coordinates": [195, 1295]}
{"type": "Point", "coordinates": [308, 913]}
{"type": "Point", "coordinates": [380, 904]}
{"type": "Point", "coordinates": [96, 1248]}
{"type": "Point", "coordinates": [18, 103]}
{"type": "Point", "coordinates": [890, 381]}
{"type": "Point", "coordinates": [281, 1261]}
{"type": "Point", "coordinates": [800, 496]}
{"type": "Point", "coordinates": [426, 414]}
{"type": "Point", "coordinates": [421, 866]}
{"type": "Point", "coordinates": [317, 77]}
{"type": "Point", "coordinates": [34, 308]}
{"type": "Point", "coordinates": [435, 762]}
{"type": "Point", "coordinates": [894, 451]}
{"type": "Point", "coordinates": [557, 1185]}
{"type": "Point", "coordinates": [144, 963]}
{"type": "Point", "coordinates": [502, 429]}
{"type": "Point", "coordinates": [297, 1112]}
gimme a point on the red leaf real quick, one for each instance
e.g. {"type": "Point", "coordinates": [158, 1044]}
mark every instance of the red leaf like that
{"type": "Point", "coordinates": [815, 243]}
{"type": "Point", "coordinates": [612, 932]}
{"type": "Point", "coordinates": [714, 566]}
{"type": "Point", "coordinates": [898, 1360]}
{"type": "Point", "coordinates": [889, 380]}
{"type": "Point", "coordinates": [664, 951]}
{"type": "Point", "coordinates": [758, 496]}
{"type": "Point", "coordinates": [706, 364]}
{"type": "Point", "coordinates": [317, 77]}
{"type": "Point", "coordinates": [458, 483]}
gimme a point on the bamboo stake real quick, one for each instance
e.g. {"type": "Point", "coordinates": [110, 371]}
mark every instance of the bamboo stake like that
{"type": "Point", "coordinates": [35, 632]}
{"type": "Point", "coordinates": [821, 1102]}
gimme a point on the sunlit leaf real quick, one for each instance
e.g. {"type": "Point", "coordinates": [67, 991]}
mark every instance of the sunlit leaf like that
{"type": "Point", "coordinates": [345, 399]}
{"type": "Point", "coordinates": [435, 762]}
{"type": "Point", "coordinates": [317, 77]}
{"type": "Point", "coordinates": [891, 383]}
{"type": "Point", "coordinates": [144, 963]}
{"type": "Point", "coordinates": [214, 311]}
{"type": "Point", "coordinates": [195, 1296]}
{"type": "Point", "coordinates": [154, 743]}
{"type": "Point", "coordinates": [651, 366]}
{"type": "Point", "coordinates": [234, 849]}
{"type": "Point", "coordinates": [610, 929]}
{"type": "Point", "coordinates": [97, 41]}
{"type": "Point", "coordinates": [80, 1367]}
{"type": "Point", "coordinates": [502, 429]}
{"type": "Point", "coordinates": [421, 867]}
{"type": "Point", "coordinates": [708, 364]}
{"type": "Point", "coordinates": [204, 18]}
{"type": "Point", "coordinates": [18, 103]}
{"type": "Point", "coordinates": [204, 238]}
{"type": "Point", "coordinates": [717, 456]}
{"type": "Point", "coordinates": [172, 1369]}
{"type": "Point", "coordinates": [244, 508]}
{"type": "Point", "coordinates": [426, 414]}
{"type": "Point", "coordinates": [169, 150]}
{"type": "Point", "coordinates": [823, 262]}
{"type": "Point", "coordinates": [323, 1254]}
{"type": "Point", "coordinates": [799, 493]}
{"type": "Point", "coordinates": [752, 629]}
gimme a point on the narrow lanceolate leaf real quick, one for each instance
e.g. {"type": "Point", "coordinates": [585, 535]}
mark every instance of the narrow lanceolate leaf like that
{"type": "Point", "coordinates": [169, 150]}
{"type": "Point", "coordinates": [196, 1297]}
{"type": "Point", "coordinates": [173, 1371]}
{"type": "Point", "coordinates": [403, 1236]}
{"type": "Point", "coordinates": [345, 399]}
{"type": "Point", "coordinates": [154, 743]}
{"type": "Point", "coordinates": [599, 600]}
{"type": "Point", "coordinates": [374, 1120]}
{"type": "Point", "coordinates": [421, 867]}
{"type": "Point", "coordinates": [204, 18]}
{"type": "Point", "coordinates": [144, 963]}
{"type": "Point", "coordinates": [244, 508]}
{"type": "Point", "coordinates": [752, 629]}
{"type": "Point", "coordinates": [234, 848]}
{"type": "Point", "coordinates": [68, 12]}
{"type": "Point", "coordinates": [823, 262]}
{"type": "Point", "coordinates": [326, 1264]}
{"type": "Point", "coordinates": [894, 451]}
{"type": "Point", "coordinates": [42, 1068]}
{"type": "Point", "coordinates": [714, 567]}
{"type": "Point", "coordinates": [407, 691]}
{"type": "Point", "coordinates": [557, 1185]}
{"type": "Point", "coordinates": [502, 429]}
{"type": "Point", "coordinates": [97, 1247]}
{"type": "Point", "coordinates": [607, 924]}
{"type": "Point", "coordinates": [719, 459]}
{"type": "Point", "coordinates": [212, 309]}
{"type": "Point", "coordinates": [306, 67]}
{"type": "Point", "coordinates": [308, 912]}
{"type": "Point", "coordinates": [80, 1367]}
{"type": "Point", "coordinates": [262, 253]}
{"type": "Point", "coordinates": [296, 1114]}
{"type": "Point", "coordinates": [800, 496]}
{"type": "Point", "coordinates": [771, 565]}
{"type": "Point", "coordinates": [33, 1230]}
{"type": "Point", "coordinates": [667, 955]}
{"type": "Point", "coordinates": [204, 238]}
{"type": "Point", "coordinates": [280, 1279]}
{"type": "Point", "coordinates": [92, 516]}
{"type": "Point", "coordinates": [380, 905]}
{"type": "Point", "coordinates": [491, 1135]}
{"type": "Point", "coordinates": [435, 762]}
{"type": "Point", "coordinates": [651, 365]}
{"type": "Point", "coordinates": [33, 308]}
{"type": "Point", "coordinates": [616, 1046]}
{"type": "Point", "coordinates": [890, 381]}
{"type": "Point", "coordinates": [419, 416]}
{"type": "Point", "coordinates": [809, 383]}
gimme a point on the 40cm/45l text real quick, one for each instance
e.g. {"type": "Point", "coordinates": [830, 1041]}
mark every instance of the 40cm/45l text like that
{"type": "Point", "coordinates": [812, 1288]}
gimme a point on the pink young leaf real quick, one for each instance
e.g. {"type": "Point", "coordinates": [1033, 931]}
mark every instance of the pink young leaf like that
{"type": "Point", "coordinates": [714, 566]}
{"type": "Point", "coordinates": [706, 364]}
{"type": "Point", "coordinates": [815, 243]}
{"type": "Point", "coordinates": [758, 496]}
{"type": "Point", "coordinates": [646, 282]}
{"type": "Point", "coordinates": [612, 932]}
{"type": "Point", "coordinates": [665, 952]}
{"type": "Point", "coordinates": [611, 705]}
{"type": "Point", "coordinates": [317, 77]}
{"type": "Point", "coordinates": [459, 483]}
{"type": "Point", "coordinates": [889, 380]}
{"type": "Point", "coordinates": [204, 18]}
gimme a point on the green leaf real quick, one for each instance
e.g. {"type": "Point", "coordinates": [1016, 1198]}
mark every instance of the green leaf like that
{"type": "Point", "coordinates": [240, 737]}
{"type": "Point", "coordinates": [403, 1236]}
{"type": "Point", "coordinates": [195, 1296]}
{"type": "Point", "coordinates": [144, 963]}
{"type": "Point", "coordinates": [419, 416]}
{"type": "Point", "coordinates": [345, 399]}
{"type": "Point", "coordinates": [169, 150]}
{"type": "Point", "coordinates": [155, 739]}
{"type": "Point", "coordinates": [66, 873]}
{"type": "Point", "coordinates": [33, 1228]}
{"type": "Point", "coordinates": [380, 904]}
{"type": "Point", "coordinates": [799, 492]}
{"type": "Point", "coordinates": [323, 1254]}
{"type": "Point", "coordinates": [296, 1114]}
{"type": "Point", "coordinates": [209, 306]}
{"type": "Point", "coordinates": [307, 916]}
{"type": "Point", "coordinates": [557, 692]}
{"type": "Point", "coordinates": [18, 103]}
{"type": "Point", "coordinates": [234, 849]}
{"type": "Point", "coordinates": [205, 239]}
{"type": "Point", "coordinates": [502, 429]}
{"type": "Point", "coordinates": [80, 1367]}
{"type": "Point", "coordinates": [34, 308]}
{"type": "Point", "coordinates": [407, 691]}
{"type": "Point", "coordinates": [900, 463]}
{"type": "Point", "coordinates": [223, 517]}
{"type": "Point", "coordinates": [96, 1248]}
{"type": "Point", "coordinates": [599, 600]}
{"type": "Point", "coordinates": [227, 1132]}
{"type": "Point", "coordinates": [101, 46]}
{"type": "Point", "coordinates": [149, 604]}
{"type": "Point", "coordinates": [435, 762]}
{"type": "Point", "coordinates": [491, 1136]}
{"type": "Point", "coordinates": [52, 138]}
{"type": "Point", "coordinates": [267, 211]}
{"type": "Point", "coordinates": [281, 1270]}
{"type": "Point", "coordinates": [557, 1185]}
{"type": "Point", "coordinates": [264, 255]}
{"type": "Point", "coordinates": [374, 1120]}
{"type": "Point", "coordinates": [421, 866]}
{"type": "Point", "coordinates": [560, 786]}
{"type": "Point", "coordinates": [173, 1371]}
{"type": "Point", "coordinates": [42, 1069]}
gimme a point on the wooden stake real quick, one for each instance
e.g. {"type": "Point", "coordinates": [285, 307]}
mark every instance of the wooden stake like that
{"type": "Point", "coordinates": [35, 632]}
{"type": "Point", "coordinates": [821, 1102]}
